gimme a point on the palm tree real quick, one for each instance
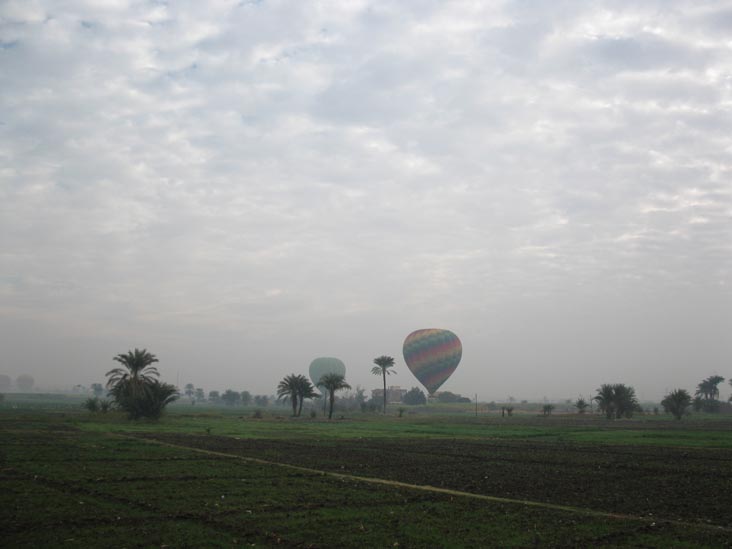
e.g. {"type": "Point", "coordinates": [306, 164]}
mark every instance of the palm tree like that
{"type": "Point", "coordinates": [137, 372]}
{"type": "Point", "coordinates": [305, 390]}
{"type": "Point", "coordinates": [333, 383]}
{"type": "Point", "coordinates": [289, 389]}
{"type": "Point", "coordinates": [147, 402]}
{"type": "Point", "coordinates": [606, 400]}
{"type": "Point", "coordinates": [160, 395]}
{"type": "Point", "coordinates": [625, 400]}
{"type": "Point", "coordinates": [230, 397]}
{"type": "Point", "coordinates": [382, 368]}
{"type": "Point", "coordinates": [617, 400]}
{"type": "Point", "coordinates": [581, 405]}
{"type": "Point", "coordinates": [676, 402]}
{"type": "Point", "coordinates": [708, 389]}
{"type": "Point", "coordinates": [136, 389]}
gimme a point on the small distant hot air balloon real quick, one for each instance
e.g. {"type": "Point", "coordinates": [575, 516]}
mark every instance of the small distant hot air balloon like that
{"type": "Point", "coordinates": [325, 365]}
{"type": "Point", "coordinates": [432, 355]}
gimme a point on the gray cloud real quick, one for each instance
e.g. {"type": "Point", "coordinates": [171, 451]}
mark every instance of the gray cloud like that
{"type": "Point", "coordinates": [242, 187]}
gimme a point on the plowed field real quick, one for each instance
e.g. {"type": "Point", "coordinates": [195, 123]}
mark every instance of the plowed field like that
{"type": "Point", "coordinates": [685, 484]}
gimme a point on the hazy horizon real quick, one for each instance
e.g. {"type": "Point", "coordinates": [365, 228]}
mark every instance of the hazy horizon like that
{"type": "Point", "coordinates": [241, 187]}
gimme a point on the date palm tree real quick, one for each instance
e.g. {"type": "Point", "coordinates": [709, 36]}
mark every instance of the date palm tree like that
{"type": "Point", "coordinates": [148, 402]}
{"type": "Point", "coordinates": [190, 392]}
{"type": "Point", "coordinates": [136, 389]}
{"type": "Point", "coordinates": [333, 383]}
{"type": "Point", "coordinates": [289, 389]}
{"type": "Point", "coordinates": [676, 402]}
{"type": "Point", "coordinates": [708, 389]}
{"type": "Point", "coordinates": [581, 405]}
{"type": "Point", "coordinates": [626, 403]}
{"type": "Point", "coordinates": [617, 400]}
{"type": "Point", "coordinates": [137, 371]}
{"type": "Point", "coordinates": [305, 390]}
{"type": "Point", "coordinates": [383, 368]}
{"type": "Point", "coordinates": [159, 395]}
{"type": "Point", "coordinates": [606, 400]}
{"type": "Point", "coordinates": [230, 397]}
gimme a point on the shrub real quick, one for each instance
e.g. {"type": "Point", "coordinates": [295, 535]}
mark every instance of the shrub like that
{"type": "Point", "coordinates": [448, 397]}
{"type": "Point", "coordinates": [91, 404]}
{"type": "Point", "coordinates": [677, 403]}
{"type": "Point", "coordinates": [617, 400]}
{"type": "Point", "coordinates": [143, 400]}
{"type": "Point", "coordinates": [230, 397]}
{"type": "Point", "coordinates": [414, 397]}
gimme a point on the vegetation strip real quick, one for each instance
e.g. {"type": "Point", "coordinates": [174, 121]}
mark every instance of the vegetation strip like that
{"type": "Point", "coordinates": [435, 489]}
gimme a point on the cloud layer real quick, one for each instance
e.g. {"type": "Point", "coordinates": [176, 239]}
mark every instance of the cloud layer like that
{"type": "Point", "coordinates": [243, 186]}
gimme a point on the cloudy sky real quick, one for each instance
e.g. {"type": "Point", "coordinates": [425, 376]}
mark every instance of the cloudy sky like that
{"type": "Point", "coordinates": [241, 187]}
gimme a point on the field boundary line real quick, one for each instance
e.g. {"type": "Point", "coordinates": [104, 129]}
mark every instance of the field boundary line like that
{"type": "Point", "coordinates": [436, 489]}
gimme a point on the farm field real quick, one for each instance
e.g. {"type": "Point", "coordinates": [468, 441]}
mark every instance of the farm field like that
{"type": "Point", "coordinates": [206, 479]}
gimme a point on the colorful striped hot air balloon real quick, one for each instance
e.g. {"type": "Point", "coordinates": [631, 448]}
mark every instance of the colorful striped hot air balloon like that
{"type": "Point", "coordinates": [432, 355]}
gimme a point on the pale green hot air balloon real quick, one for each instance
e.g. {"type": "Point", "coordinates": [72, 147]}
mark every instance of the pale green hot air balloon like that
{"type": "Point", "coordinates": [325, 365]}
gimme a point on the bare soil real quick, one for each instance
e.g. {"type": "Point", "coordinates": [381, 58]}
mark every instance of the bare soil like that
{"type": "Point", "coordinates": [684, 484]}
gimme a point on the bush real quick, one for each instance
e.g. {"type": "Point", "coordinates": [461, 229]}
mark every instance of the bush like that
{"type": "Point", "coordinates": [581, 405]}
{"type": "Point", "coordinates": [447, 397]}
{"type": "Point", "coordinates": [677, 403]}
{"type": "Point", "coordinates": [617, 400]}
{"type": "Point", "coordinates": [230, 397]}
{"type": "Point", "coordinates": [143, 400]}
{"type": "Point", "coordinates": [414, 397]}
{"type": "Point", "coordinates": [91, 404]}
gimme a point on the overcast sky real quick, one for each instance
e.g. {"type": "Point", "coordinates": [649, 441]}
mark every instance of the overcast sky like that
{"type": "Point", "coordinates": [240, 187]}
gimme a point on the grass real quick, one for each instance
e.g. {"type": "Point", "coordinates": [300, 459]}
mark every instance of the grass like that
{"type": "Point", "coordinates": [700, 431]}
{"type": "Point", "coordinates": [593, 430]}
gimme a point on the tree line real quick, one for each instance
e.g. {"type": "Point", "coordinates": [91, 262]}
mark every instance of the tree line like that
{"type": "Point", "coordinates": [618, 400]}
{"type": "Point", "coordinates": [229, 397]}
{"type": "Point", "coordinates": [135, 388]}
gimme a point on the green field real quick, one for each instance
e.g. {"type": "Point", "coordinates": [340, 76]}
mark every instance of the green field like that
{"type": "Point", "coordinates": [219, 477]}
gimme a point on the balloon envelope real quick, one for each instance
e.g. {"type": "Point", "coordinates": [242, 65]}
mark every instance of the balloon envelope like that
{"type": "Point", "coordinates": [325, 365]}
{"type": "Point", "coordinates": [432, 355]}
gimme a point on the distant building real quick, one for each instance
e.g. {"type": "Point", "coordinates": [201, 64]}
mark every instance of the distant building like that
{"type": "Point", "coordinates": [394, 394]}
